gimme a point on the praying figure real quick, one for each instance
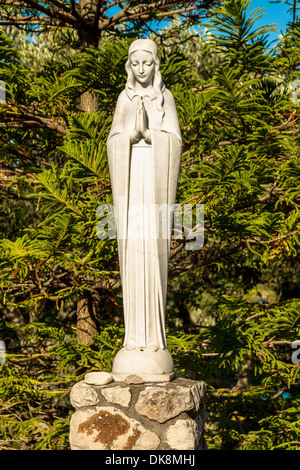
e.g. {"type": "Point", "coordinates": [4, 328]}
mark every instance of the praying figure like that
{"type": "Point", "coordinates": [144, 154]}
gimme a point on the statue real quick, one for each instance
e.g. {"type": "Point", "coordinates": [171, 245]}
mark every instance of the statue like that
{"type": "Point", "coordinates": [144, 154]}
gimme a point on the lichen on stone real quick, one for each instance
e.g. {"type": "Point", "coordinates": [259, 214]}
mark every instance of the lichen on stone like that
{"type": "Point", "coordinates": [107, 425]}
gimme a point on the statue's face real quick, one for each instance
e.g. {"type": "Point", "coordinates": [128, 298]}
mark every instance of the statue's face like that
{"type": "Point", "coordinates": [142, 66]}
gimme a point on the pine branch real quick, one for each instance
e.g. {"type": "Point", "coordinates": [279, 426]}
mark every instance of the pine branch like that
{"type": "Point", "coordinates": [271, 191]}
{"type": "Point", "coordinates": [62, 6]}
{"type": "Point", "coordinates": [29, 20]}
{"type": "Point", "coordinates": [13, 3]}
{"type": "Point", "coordinates": [178, 12]}
{"type": "Point", "coordinates": [141, 11]}
{"type": "Point", "coordinates": [71, 17]}
{"type": "Point", "coordinates": [206, 260]}
{"type": "Point", "coordinates": [27, 120]}
{"type": "Point", "coordinates": [55, 14]}
{"type": "Point", "coordinates": [218, 255]}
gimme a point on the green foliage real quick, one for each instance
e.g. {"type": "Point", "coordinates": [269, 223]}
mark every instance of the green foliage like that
{"type": "Point", "coordinates": [7, 50]}
{"type": "Point", "coordinates": [244, 42]}
{"type": "Point", "coordinates": [42, 365]}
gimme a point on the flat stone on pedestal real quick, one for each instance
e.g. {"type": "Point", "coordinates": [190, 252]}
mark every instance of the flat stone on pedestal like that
{"type": "Point", "coordinates": [98, 378]}
{"type": "Point", "coordinates": [145, 378]}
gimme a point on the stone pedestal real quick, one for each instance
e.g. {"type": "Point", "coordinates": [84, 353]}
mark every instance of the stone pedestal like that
{"type": "Point", "coordinates": [136, 415]}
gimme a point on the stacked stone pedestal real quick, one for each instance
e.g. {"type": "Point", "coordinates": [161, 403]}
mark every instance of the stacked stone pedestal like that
{"type": "Point", "coordinates": [136, 415]}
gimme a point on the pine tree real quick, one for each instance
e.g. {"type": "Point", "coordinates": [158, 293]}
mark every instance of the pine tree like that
{"type": "Point", "coordinates": [82, 23]}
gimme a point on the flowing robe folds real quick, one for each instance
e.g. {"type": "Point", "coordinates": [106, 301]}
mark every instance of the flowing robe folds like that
{"type": "Point", "coordinates": [144, 179]}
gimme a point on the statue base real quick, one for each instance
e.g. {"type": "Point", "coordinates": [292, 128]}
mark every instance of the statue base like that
{"type": "Point", "coordinates": [143, 361]}
{"type": "Point", "coordinates": [133, 415]}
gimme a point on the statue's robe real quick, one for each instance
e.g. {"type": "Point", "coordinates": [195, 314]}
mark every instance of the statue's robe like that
{"type": "Point", "coordinates": [148, 175]}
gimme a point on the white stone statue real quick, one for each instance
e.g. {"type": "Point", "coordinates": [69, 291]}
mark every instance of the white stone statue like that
{"type": "Point", "coordinates": [144, 153]}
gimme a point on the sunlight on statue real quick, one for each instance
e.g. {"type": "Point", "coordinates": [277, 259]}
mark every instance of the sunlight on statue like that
{"type": "Point", "coordinates": [144, 153]}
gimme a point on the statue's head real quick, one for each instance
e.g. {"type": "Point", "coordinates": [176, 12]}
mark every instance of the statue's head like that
{"type": "Point", "coordinates": [143, 66]}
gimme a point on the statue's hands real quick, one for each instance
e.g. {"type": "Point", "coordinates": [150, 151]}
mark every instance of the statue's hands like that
{"type": "Point", "coordinates": [143, 125]}
{"type": "Point", "coordinates": [142, 118]}
{"type": "Point", "coordinates": [141, 130]}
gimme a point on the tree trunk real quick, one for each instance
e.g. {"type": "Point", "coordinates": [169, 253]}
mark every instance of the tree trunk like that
{"type": "Point", "coordinates": [89, 36]}
{"type": "Point", "coordinates": [87, 318]}
{"type": "Point", "coordinates": [88, 306]}
{"type": "Point", "coordinates": [243, 377]}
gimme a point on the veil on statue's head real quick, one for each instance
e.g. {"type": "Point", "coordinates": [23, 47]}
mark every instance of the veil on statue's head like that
{"type": "Point", "coordinates": [149, 46]}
